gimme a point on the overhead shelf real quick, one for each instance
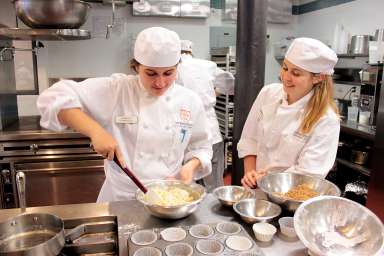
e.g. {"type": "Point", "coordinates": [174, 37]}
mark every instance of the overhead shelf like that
{"type": "Point", "coordinates": [352, 55]}
{"type": "Point", "coordinates": [44, 34]}
{"type": "Point", "coordinates": [362, 169]}
{"type": "Point", "coordinates": [362, 131]}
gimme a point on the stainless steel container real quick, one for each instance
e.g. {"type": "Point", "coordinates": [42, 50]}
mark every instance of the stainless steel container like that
{"type": "Point", "coordinates": [173, 212]}
{"type": "Point", "coordinates": [274, 184]}
{"type": "Point", "coordinates": [32, 234]}
{"type": "Point", "coordinates": [360, 44]}
{"type": "Point", "coordinates": [324, 223]}
{"type": "Point", "coordinates": [359, 157]}
{"type": "Point", "coordinates": [54, 14]}
{"type": "Point", "coordinates": [379, 34]}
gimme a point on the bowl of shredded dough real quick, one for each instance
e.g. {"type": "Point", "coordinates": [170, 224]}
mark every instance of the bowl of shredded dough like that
{"type": "Point", "coordinates": [173, 199]}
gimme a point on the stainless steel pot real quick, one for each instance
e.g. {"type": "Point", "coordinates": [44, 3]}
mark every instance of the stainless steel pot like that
{"type": "Point", "coordinates": [359, 157]}
{"type": "Point", "coordinates": [32, 234]}
{"type": "Point", "coordinates": [55, 14]}
{"type": "Point", "coordinates": [379, 34]}
{"type": "Point", "coordinates": [360, 44]}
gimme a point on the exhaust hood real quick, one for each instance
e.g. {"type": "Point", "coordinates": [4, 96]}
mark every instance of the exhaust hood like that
{"type": "Point", "coordinates": [43, 34]}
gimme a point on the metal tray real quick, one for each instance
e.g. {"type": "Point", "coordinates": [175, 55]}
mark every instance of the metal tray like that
{"type": "Point", "coordinates": [162, 244]}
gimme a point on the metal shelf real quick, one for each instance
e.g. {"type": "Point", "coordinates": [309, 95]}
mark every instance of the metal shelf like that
{"type": "Point", "coordinates": [359, 130]}
{"type": "Point", "coordinates": [224, 104]}
{"type": "Point", "coordinates": [352, 55]}
{"type": "Point", "coordinates": [362, 169]}
{"type": "Point", "coordinates": [44, 34]}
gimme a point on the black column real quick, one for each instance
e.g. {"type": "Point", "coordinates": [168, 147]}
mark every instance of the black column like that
{"type": "Point", "coordinates": [375, 187]}
{"type": "Point", "coordinates": [250, 67]}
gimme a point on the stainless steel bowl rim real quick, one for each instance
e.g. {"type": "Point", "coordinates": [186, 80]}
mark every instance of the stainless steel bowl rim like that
{"type": "Point", "coordinates": [259, 184]}
{"type": "Point", "coordinates": [148, 185]}
{"type": "Point", "coordinates": [215, 192]}
{"type": "Point", "coordinates": [322, 198]}
{"type": "Point", "coordinates": [79, 1]}
{"type": "Point", "coordinates": [258, 217]}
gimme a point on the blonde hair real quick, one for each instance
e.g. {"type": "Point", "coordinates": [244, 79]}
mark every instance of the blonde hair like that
{"type": "Point", "coordinates": [318, 105]}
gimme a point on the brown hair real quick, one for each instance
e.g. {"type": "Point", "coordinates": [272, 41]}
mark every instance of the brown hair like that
{"type": "Point", "coordinates": [318, 105]}
{"type": "Point", "coordinates": [186, 52]}
{"type": "Point", "coordinates": [134, 64]}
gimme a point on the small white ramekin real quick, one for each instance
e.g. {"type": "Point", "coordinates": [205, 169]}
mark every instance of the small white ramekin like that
{"type": "Point", "coordinates": [264, 232]}
{"type": "Point", "coordinates": [287, 228]}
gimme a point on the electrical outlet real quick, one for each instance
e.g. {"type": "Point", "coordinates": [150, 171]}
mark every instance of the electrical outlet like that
{"type": "Point", "coordinates": [345, 91]}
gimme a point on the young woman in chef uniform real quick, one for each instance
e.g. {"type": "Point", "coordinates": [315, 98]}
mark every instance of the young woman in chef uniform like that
{"type": "Point", "coordinates": [155, 127]}
{"type": "Point", "coordinates": [294, 126]}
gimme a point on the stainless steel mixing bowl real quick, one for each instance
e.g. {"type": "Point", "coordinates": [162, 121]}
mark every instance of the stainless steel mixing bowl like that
{"type": "Point", "coordinates": [229, 195]}
{"type": "Point", "coordinates": [275, 183]}
{"type": "Point", "coordinates": [323, 223]}
{"type": "Point", "coordinates": [54, 14]}
{"type": "Point", "coordinates": [253, 210]}
{"type": "Point", "coordinates": [173, 212]}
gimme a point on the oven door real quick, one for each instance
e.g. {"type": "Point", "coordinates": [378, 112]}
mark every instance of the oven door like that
{"type": "Point", "coordinates": [58, 182]}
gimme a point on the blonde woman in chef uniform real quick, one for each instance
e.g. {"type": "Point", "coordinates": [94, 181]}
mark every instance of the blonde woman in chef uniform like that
{"type": "Point", "coordinates": [155, 127]}
{"type": "Point", "coordinates": [205, 78]}
{"type": "Point", "coordinates": [294, 126]}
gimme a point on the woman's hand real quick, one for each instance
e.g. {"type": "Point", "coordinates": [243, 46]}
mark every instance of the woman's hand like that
{"type": "Point", "coordinates": [251, 177]}
{"type": "Point", "coordinates": [104, 144]}
{"type": "Point", "coordinates": [187, 171]}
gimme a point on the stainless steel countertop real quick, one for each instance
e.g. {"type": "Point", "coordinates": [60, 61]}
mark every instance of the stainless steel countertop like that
{"type": "Point", "coordinates": [132, 214]}
{"type": "Point", "coordinates": [28, 128]}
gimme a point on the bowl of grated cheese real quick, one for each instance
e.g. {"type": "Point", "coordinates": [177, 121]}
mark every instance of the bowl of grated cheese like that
{"type": "Point", "coordinates": [289, 190]}
{"type": "Point", "coordinates": [174, 199]}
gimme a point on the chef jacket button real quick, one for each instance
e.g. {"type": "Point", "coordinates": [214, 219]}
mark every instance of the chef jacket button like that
{"type": "Point", "coordinates": [167, 127]}
{"type": "Point", "coordinates": [167, 98]}
{"type": "Point", "coordinates": [141, 154]}
{"type": "Point", "coordinates": [145, 126]}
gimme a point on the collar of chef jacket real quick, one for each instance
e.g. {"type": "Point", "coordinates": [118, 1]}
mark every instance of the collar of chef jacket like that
{"type": "Point", "coordinates": [301, 103]}
{"type": "Point", "coordinates": [269, 113]}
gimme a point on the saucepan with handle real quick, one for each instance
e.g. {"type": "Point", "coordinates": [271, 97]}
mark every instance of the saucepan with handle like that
{"type": "Point", "coordinates": [34, 234]}
{"type": "Point", "coordinates": [31, 233]}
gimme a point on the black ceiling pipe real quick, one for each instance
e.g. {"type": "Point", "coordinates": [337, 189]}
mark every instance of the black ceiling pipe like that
{"type": "Point", "coordinates": [250, 67]}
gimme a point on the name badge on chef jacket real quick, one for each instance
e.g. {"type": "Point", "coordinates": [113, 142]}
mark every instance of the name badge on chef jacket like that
{"type": "Point", "coordinates": [126, 119]}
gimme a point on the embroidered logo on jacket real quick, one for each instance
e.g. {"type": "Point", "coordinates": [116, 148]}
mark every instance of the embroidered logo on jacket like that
{"type": "Point", "coordinates": [185, 115]}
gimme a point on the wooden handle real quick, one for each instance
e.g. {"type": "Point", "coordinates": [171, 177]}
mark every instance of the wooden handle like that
{"type": "Point", "coordinates": [131, 176]}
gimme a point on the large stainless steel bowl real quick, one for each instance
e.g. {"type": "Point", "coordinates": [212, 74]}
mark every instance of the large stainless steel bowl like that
{"type": "Point", "coordinates": [275, 183]}
{"type": "Point", "coordinates": [54, 14]}
{"type": "Point", "coordinates": [253, 210]}
{"type": "Point", "coordinates": [173, 212]}
{"type": "Point", "coordinates": [229, 195]}
{"type": "Point", "coordinates": [324, 223]}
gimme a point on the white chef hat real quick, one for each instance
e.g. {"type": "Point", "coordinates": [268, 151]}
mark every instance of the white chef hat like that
{"type": "Point", "coordinates": [157, 47]}
{"type": "Point", "coordinates": [186, 45]}
{"type": "Point", "coordinates": [312, 55]}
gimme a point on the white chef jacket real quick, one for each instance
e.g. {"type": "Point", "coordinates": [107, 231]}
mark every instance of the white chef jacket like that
{"type": "Point", "coordinates": [155, 134]}
{"type": "Point", "coordinates": [199, 76]}
{"type": "Point", "coordinates": [271, 132]}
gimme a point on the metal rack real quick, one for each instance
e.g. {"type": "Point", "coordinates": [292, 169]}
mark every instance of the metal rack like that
{"type": "Point", "coordinates": [225, 59]}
